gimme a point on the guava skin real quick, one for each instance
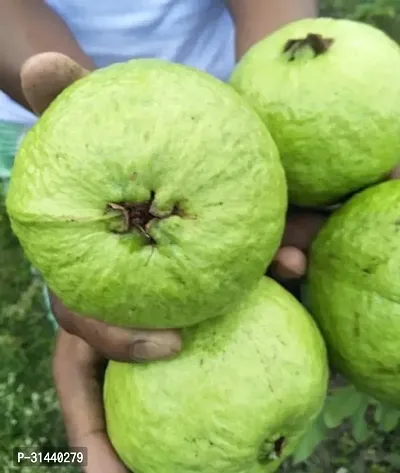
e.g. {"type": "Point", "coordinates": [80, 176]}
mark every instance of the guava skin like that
{"type": "Point", "coordinates": [149, 194]}
{"type": "Point", "coordinates": [353, 290]}
{"type": "Point", "coordinates": [331, 102]}
{"type": "Point", "coordinates": [237, 399]}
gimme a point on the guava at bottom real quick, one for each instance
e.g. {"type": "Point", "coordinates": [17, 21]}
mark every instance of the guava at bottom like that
{"type": "Point", "coordinates": [237, 399]}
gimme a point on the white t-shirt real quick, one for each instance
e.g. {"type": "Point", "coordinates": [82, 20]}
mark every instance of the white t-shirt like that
{"type": "Point", "coordinates": [199, 33]}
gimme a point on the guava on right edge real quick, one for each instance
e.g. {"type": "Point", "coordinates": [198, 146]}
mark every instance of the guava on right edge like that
{"type": "Point", "coordinates": [353, 290]}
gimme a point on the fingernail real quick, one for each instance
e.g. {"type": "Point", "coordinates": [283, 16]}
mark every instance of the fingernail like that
{"type": "Point", "coordinates": [143, 350]}
{"type": "Point", "coordinates": [289, 263]}
{"type": "Point", "coordinates": [287, 272]}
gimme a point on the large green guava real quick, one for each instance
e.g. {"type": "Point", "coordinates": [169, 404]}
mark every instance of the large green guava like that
{"type": "Point", "coordinates": [329, 92]}
{"type": "Point", "coordinates": [353, 289]}
{"type": "Point", "coordinates": [236, 400]}
{"type": "Point", "coordinates": [149, 194]}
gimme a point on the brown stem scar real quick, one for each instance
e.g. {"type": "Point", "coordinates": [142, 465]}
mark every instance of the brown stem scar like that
{"type": "Point", "coordinates": [316, 42]}
{"type": "Point", "coordinates": [139, 216]}
{"type": "Point", "coordinates": [278, 446]}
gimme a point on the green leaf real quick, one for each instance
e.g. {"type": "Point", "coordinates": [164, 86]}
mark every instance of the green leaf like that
{"type": "Point", "coordinates": [358, 466]}
{"type": "Point", "coordinates": [393, 459]}
{"type": "Point", "coordinates": [378, 413]}
{"type": "Point", "coordinates": [389, 418]}
{"type": "Point", "coordinates": [313, 437]}
{"type": "Point", "coordinates": [341, 404]}
{"type": "Point", "coordinates": [360, 427]}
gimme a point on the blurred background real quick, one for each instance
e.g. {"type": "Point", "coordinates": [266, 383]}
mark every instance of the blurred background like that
{"type": "Point", "coordinates": [354, 434]}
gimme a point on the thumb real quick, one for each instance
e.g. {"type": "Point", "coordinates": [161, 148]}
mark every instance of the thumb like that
{"type": "Point", "coordinates": [117, 343]}
{"type": "Point", "coordinates": [44, 76]}
{"type": "Point", "coordinates": [121, 344]}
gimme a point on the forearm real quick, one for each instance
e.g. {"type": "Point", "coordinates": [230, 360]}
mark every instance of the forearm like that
{"type": "Point", "coordinates": [28, 28]}
{"type": "Point", "coordinates": [255, 19]}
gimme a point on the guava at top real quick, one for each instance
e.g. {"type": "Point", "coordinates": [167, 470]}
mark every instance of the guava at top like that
{"type": "Point", "coordinates": [198, 33]}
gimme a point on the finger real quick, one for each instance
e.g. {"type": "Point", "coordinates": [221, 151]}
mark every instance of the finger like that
{"type": "Point", "coordinates": [121, 344]}
{"type": "Point", "coordinates": [117, 343]}
{"type": "Point", "coordinates": [44, 76]}
{"type": "Point", "coordinates": [77, 371]}
{"type": "Point", "coordinates": [289, 263]}
{"type": "Point", "coordinates": [301, 229]}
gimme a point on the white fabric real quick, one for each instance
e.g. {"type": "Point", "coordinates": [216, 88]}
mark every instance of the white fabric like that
{"type": "Point", "coordinates": [199, 33]}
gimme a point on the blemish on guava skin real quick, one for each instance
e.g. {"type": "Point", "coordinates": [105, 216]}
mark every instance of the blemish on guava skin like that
{"type": "Point", "coordinates": [357, 329]}
{"type": "Point", "coordinates": [270, 387]}
{"type": "Point", "coordinates": [389, 370]}
{"type": "Point", "coordinates": [133, 176]}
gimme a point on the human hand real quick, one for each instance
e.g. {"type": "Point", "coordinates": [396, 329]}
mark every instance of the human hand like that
{"type": "Point", "coordinates": [302, 226]}
{"type": "Point", "coordinates": [78, 369]}
{"type": "Point", "coordinates": [78, 373]}
{"type": "Point", "coordinates": [83, 344]}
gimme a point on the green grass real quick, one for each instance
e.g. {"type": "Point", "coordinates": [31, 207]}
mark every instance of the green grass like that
{"type": "Point", "coordinates": [28, 403]}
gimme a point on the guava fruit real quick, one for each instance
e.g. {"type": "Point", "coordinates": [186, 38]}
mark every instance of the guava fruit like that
{"type": "Point", "coordinates": [237, 399]}
{"type": "Point", "coordinates": [353, 289]}
{"type": "Point", "coordinates": [149, 194]}
{"type": "Point", "coordinates": [329, 92]}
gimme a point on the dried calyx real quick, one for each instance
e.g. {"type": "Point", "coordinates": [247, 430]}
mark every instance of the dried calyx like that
{"type": "Point", "coordinates": [271, 451]}
{"type": "Point", "coordinates": [316, 42]}
{"type": "Point", "coordinates": [278, 446]}
{"type": "Point", "coordinates": [137, 216]}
